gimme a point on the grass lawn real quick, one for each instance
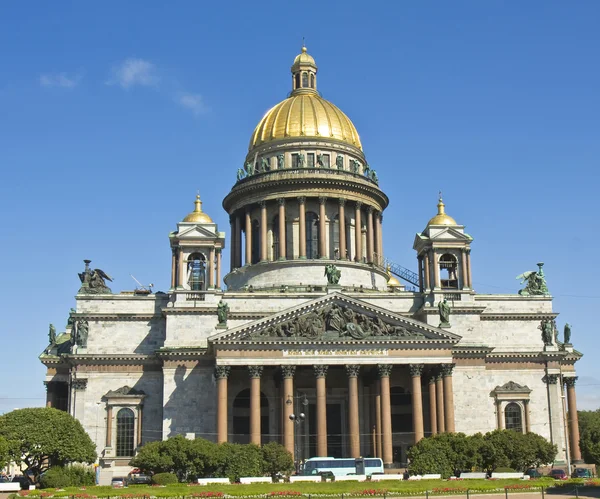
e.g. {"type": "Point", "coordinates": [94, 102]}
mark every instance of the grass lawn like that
{"type": "Point", "coordinates": [391, 488]}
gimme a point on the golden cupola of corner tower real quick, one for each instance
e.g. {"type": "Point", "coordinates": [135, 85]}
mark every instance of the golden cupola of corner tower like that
{"type": "Point", "coordinates": [305, 197]}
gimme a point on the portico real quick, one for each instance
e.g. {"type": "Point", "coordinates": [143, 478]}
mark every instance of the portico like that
{"type": "Point", "coordinates": [349, 364]}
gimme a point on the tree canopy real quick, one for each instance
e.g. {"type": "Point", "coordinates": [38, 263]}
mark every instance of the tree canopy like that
{"type": "Point", "coordinates": [589, 435]}
{"type": "Point", "coordinates": [447, 453]}
{"type": "Point", "coordinates": [44, 437]}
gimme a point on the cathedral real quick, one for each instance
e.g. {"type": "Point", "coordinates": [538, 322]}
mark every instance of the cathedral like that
{"type": "Point", "coordinates": [309, 336]}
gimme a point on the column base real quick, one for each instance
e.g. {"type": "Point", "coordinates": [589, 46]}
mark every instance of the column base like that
{"type": "Point", "coordinates": [301, 258]}
{"type": "Point", "coordinates": [282, 259]}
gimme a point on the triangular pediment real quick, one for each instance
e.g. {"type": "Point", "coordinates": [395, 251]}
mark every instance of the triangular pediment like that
{"type": "Point", "coordinates": [335, 318]}
{"type": "Point", "coordinates": [198, 232]}
{"type": "Point", "coordinates": [449, 234]}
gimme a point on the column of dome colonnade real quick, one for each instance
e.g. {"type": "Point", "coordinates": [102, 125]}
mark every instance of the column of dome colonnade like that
{"type": "Point", "coordinates": [440, 396]}
{"type": "Point", "coordinates": [271, 215]}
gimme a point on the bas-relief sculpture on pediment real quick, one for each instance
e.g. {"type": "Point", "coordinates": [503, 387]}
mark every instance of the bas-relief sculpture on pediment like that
{"type": "Point", "coordinates": [335, 322]}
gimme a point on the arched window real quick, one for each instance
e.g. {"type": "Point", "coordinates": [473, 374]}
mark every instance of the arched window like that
{"type": "Point", "coordinates": [197, 272]}
{"type": "Point", "coordinates": [297, 79]}
{"type": "Point", "coordinates": [312, 81]}
{"type": "Point", "coordinates": [334, 237]}
{"type": "Point", "coordinates": [448, 271]}
{"type": "Point", "coordinates": [241, 417]}
{"type": "Point", "coordinates": [125, 433]}
{"type": "Point", "coordinates": [312, 235]}
{"type": "Point", "coordinates": [305, 80]}
{"type": "Point", "coordinates": [513, 418]}
{"type": "Point", "coordinates": [255, 242]}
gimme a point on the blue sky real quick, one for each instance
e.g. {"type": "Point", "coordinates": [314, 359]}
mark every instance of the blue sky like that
{"type": "Point", "coordinates": [114, 113]}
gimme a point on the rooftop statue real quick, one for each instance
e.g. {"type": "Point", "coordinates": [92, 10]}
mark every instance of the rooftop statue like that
{"type": "Point", "coordinates": [567, 334]}
{"type": "Point", "coordinates": [280, 161]}
{"type": "Point", "coordinates": [264, 165]}
{"type": "Point", "coordinates": [92, 281]}
{"type": "Point", "coordinates": [52, 335]}
{"type": "Point", "coordinates": [301, 163]}
{"type": "Point", "coordinates": [249, 168]}
{"type": "Point", "coordinates": [320, 160]}
{"type": "Point", "coordinates": [548, 328]}
{"type": "Point", "coordinates": [339, 162]}
{"type": "Point", "coordinates": [240, 174]}
{"type": "Point", "coordinates": [222, 313]}
{"type": "Point", "coordinates": [444, 310]}
{"type": "Point", "coordinates": [535, 282]}
{"type": "Point", "coordinates": [333, 273]}
{"type": "Point", "coordinates": [374, 177]}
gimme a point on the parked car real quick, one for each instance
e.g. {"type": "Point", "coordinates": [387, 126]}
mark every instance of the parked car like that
{"type": "Point", "coordinates": [559, 474]}
{"type": "Point", "coordinates": [582, 473]}
{"type": "Point", "coordinates": [118, 482]}
{"type": "Point", "coordinates": [533, 473]}
{"type": "Point", "coordinates": [23, 480]}
{"type": "Point", "coordinates": [139, 479]}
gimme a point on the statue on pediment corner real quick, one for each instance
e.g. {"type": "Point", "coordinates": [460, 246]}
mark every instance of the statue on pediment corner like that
{"type": "Point", "coordinates": [332, 273]}
{"type": "Point", "coordinates": [535, 282]}
{"type": "Point", "coordinates": [93, 281]}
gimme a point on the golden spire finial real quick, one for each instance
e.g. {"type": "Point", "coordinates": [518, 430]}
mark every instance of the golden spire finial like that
{"type": "Point", "coordinates": [303, 45]}
{"type": "Point", "coordinates": [441, 206]}
{"type": "Point", "coordinates": [198, 204]}
{"type": "Point", "coordinates": [198, 215]}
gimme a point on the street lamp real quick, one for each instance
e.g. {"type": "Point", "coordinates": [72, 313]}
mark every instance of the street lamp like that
{"type": "Point", "coordinates": [298, 419]}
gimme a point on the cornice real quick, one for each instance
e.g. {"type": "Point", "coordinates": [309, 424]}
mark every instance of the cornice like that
{"type": "Point", "coordinates": [105, 359]}
{"type": "Point", "coordinates": [115, 316]}
{"type": "Point", "coordinates": [526, 316]}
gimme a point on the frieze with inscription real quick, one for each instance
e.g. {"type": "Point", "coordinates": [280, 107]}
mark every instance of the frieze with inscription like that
{"type": "Point", "coordinates": [335, 322]}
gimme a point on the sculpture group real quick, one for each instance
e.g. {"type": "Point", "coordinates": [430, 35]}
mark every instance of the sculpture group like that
{"type": "Point", "coordinates": [336, 321]}
{"type": "Point", "coordinates": [93, 281]}
{"type": "Point", "coordinates": [535, 282]}
{"type": "Point", "coordinates": [263, 165]}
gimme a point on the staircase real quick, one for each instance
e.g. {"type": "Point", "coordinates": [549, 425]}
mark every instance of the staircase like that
{"type": "Point", "coordinates": [397, 269]}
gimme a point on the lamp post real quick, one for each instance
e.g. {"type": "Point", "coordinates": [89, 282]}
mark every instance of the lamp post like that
{"type": "Point", "coordinates": [299, 420]}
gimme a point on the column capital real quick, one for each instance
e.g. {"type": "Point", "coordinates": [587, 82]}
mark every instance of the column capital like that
{"type": "Point", "coordinates": [302, 199]}
{"type": "Point", "coordinates": [320, 371]}
{"type": "Point", "coordinates": [416, 369]}
{"type": "Point", "coordinates": [281, 201]}
{"type": "Point", "coordinates": [262, 203]}
{"type": "Point", "coordinates": [384, 370]}
{"type": "Point", "coordinates": [222, 372]}
{"type": "Point", "coordinates": [552, 379]}
{"type": "Point", "coordinates": [322, 199]}
{"type": "Point", "coordinates": [370, 209]}
{"type": "Point", "coordinates": [174, 250]}
{"type": "Point", "coordinates": [570, 381]}
{"type": "Point", "coordinates": [80, 383]}
{"type": "Point", "coordinates": [288, 371]}
{"type": "Point", "coordinates": [218, 251]}
{"type": "Point", "coordinates": [255, 371]}
{"type": "Point", "coordinates": [342, 201]}
{"type": "Point", "coordinates": [432, 379]}
{"type": "Point", "coordinates": [352, 370]}
{"type": "Point", "coordinates": [358, 204]}
{"type": "Point", "coordinates": [446, 369]}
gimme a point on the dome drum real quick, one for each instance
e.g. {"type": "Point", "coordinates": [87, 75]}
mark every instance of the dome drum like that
{"type": "Point", "coordinates": [305, 275]}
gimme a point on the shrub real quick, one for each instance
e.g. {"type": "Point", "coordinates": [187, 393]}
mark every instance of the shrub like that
{"type": "Point", "coordinates": [164, 478]}
{"type": "Point", "coordinates": [277, 459]}
{"type": "Point", "coordinates": [504, 469]}
{"type": "Point", "coordinates": [236, 460]}
{"type": "Point", "coordinates": [67, 476]}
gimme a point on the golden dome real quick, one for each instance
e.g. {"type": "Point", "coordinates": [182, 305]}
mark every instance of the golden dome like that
{"type": "Point", "coordinates": [441, 218]}
{"type": "Point", "coordinates": [198, 216]}
{"type": "Point", "coordinates": [303, 58]}
{"type": "Point", "coordinates": [305, 115]}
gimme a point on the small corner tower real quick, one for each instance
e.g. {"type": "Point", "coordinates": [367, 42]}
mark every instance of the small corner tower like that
{"type": "Point", "coordinates": [196, 246]}
{"type": "Point", "coordinates": [443, 251]}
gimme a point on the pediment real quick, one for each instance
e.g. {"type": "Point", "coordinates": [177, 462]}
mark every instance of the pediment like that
{"type": "Point", "coordinates": [449, 234]}
{"type": "Point", "coordinates": [198, 232]}
{"type": "Point", "coordinates": [335, 318]}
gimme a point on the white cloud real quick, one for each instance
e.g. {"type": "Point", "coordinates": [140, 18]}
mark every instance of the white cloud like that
{"type": "Point", "coordinates": [133, 72]}
{"type": "Point", "coordinates": [59, 80]}
{"type": "Point", "coordinates": [192, 102]}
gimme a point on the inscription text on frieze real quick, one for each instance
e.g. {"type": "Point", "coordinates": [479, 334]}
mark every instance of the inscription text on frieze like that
{"type": "Point", "coordinates": [319, 352]}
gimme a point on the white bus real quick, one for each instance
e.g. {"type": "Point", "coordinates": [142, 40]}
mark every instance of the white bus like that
{"type": "Point", "coordinates": [343, 466]}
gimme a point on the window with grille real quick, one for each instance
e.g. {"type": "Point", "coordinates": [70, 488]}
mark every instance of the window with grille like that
{"type": "Point", "coordinates": [294, 161]}
{"type": "Point", "coordinates": [310, 160]}
{"type": "Point", "coordinates": [513, 419]}
{"type": "Point", "coordinates": [312, 235]}
{"type": "Point", "coordinates": [325, 159]}
{"type": "Point", "coordinates": [125, 433]}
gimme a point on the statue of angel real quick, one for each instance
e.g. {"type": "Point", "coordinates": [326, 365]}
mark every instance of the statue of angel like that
{"type": "Point", "coordinates": [52, 334]}
{"type": "Point", "coordinates": [93, 281]}
{"type": "Point", "coordinates": [535, 282]}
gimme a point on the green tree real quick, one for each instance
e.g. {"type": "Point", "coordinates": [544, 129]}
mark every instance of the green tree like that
{"type": "Point", "coordinates": [277, 459]}
{"type": "Point", "coordinates": [45, 437]}
{"type": "Point", "coordinates": [4, 452]}
{"type": "Point", "coordinates": [589, 435]}
{"type": "Point", "coordinates": [188, 459]}
{"type": "Point", "coordinates": [519, 450]}
{"type": "Point", "coordinates": [236, 460]}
